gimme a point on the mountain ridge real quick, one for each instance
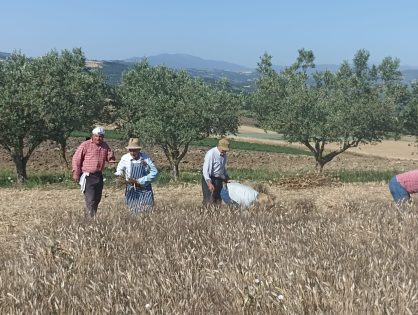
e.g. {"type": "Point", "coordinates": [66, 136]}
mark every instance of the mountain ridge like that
{"type": "Point", "coordinates": [242, 78]}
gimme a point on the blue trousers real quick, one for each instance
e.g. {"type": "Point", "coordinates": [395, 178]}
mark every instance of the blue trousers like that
{"type": "Point", "coordinates": [399, 193]}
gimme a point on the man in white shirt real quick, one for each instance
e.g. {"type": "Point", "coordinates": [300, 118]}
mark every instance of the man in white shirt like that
{"type": "Point", "coordinates": [215, 172]}
{"type": "Point", "coordinates": [244, 196]}
{"type": "Point", "coordinates": [139, 172]}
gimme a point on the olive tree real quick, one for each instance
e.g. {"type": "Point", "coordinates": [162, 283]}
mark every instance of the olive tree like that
{"type": "Point", "coordinates": [71, 96]}
{"type": "Point", "coordinates": [408, 116]}
{"type": "Point", "coordinates": [170, 109]}
{"type": "Point", "coordinates": [45, 98]}
{"type": "Point", "coordinates": [349, 107]}
{"type": "Point", "coordinates": [22, 127]}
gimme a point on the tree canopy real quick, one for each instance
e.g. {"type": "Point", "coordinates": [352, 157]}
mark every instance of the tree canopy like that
{"type": "Point", "coordinates": [355, 105]}
{"type": "Point", "coordinates": [71, 97]}
{"type": "Point", "coordinates": [45, 98]}
{"type": "Point", "coordinates": [170, 109]}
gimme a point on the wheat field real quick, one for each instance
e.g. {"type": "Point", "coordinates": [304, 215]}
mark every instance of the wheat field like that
{"type": "Point", "coordinates": [336, 249]}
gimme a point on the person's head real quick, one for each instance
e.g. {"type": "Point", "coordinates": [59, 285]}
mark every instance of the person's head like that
{"type": "Point", "coordinates": [265, 200]}
{"type": "Point", "coordinates": [223, 146]}
{"type": "Point", "coordinates": [97, 135]}
{"type": "Point", "coordinates": [134, 147]}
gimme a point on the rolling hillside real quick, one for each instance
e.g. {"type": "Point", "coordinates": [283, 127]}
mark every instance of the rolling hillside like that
{"type": "Point", "coordinates": [241, 78]}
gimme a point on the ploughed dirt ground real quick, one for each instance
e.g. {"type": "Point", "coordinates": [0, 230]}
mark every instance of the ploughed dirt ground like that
{"type": "Point", "coordinates": [389, 155]}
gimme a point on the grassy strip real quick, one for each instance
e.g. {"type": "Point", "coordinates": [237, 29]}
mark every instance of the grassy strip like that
{"type": "Point", "coordinates": [211, 142]}
{"type": "Point", "coordinates": [63, 179]}
{"type": "Point", "coordinates": [241, 145]}
{"type": "Point", "coordinates": [363, 176]}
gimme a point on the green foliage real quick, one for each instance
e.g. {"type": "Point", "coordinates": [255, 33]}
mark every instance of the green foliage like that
{"type": "Point", "coordinates": [22, 127]}
{"type": "Point", "coordinates": [45, 98]}
{"type": "Point", "coordinates": [110, 134]}
{"type": "Point", "coordinates": [241, 145]}
{"type": "Point", "coordinates": [362, 176]}
{"type": "Point", "coordinates": [70, 95]}
{"type": "Point", "coordinates": [169, 108]}
{"type": "Point", "coordinates": [355, 105]}
{"type": "Point", "coordinates": [409, 113]}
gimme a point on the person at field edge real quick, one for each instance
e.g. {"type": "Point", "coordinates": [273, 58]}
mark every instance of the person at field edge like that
{"type": "Point", "coordinates": [87, 165]}
{"type": "Point", "coordinates": [402, 185]}
{"type": "Point", "coordinates": [215, 172]}
{"type": "Point", "coordinates": [137, 171]}
{"type": "Point", "coordinates": [244, 196]}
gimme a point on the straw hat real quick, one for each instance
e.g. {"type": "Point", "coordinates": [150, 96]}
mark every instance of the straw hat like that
{"type": "Point", "coordinates": [223, 144]}
{"type": "Point", "coordinates": [133, 144]}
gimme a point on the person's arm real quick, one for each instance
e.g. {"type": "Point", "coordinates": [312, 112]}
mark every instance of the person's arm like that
{"type": "Point", "coordinates": [150, 177]}
{"type": "Point", "coordinates": [226, 170]}
{"type": "Point", "coordinates": [207, 168]}
{"type": "Point", "coordinates": [121, 168]}
{"type": "Point", "coordinates": [110, 155]}
{"type": "Point", "coordinates": [77, 162]}
{"type": "Point", "coordinates": [226, 198]}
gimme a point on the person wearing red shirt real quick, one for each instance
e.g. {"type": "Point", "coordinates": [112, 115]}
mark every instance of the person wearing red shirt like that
{"type": "Point", "coordinates": [87, 165]}
{"type": "Point", "coordinates": [401, 186]}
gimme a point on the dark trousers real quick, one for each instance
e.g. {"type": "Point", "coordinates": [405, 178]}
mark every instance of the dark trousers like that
{"type": "Point", "coordinates": [215, 196]}
{"type": "Point", "coordinates": [93, 193]}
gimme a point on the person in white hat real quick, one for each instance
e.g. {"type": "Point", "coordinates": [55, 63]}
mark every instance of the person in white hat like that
{"type": "Point", "coordinates": [138, 172]}
{"type": "Point", "coordinates": [87, 165]}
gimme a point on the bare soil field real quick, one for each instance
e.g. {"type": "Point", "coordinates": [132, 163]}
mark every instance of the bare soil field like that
{"type": "Point", "coordinates": [47, 157]}
{"type": "Point", "coordinates": [405, 149]}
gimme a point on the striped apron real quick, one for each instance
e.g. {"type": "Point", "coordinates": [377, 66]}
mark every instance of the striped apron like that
{"type": "Point", "coordinates": [139, 199]}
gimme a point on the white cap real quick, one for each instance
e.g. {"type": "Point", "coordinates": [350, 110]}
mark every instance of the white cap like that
{"type": "Point", "coordinates": [98, 131]}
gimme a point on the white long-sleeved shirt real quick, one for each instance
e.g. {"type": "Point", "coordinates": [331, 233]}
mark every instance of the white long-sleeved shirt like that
{"type": "Point", "coordinates": [125, 168]}
{"type": "Point", "coordinates": [243, 195]}
{"type": "Point", "coordinates": [214, 164]}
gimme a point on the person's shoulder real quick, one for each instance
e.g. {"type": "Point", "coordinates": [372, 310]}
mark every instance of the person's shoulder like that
{"type": "Point", "coordinates": [126, 157]}
{"type": "Point", "coordinates": [211, 150]}
{"type": "Point", "coordinates": [105, 145]}
{"type": "Point", "coordinates": [84, 143]}
{"type": "Point", "coordinates": [145, 155]}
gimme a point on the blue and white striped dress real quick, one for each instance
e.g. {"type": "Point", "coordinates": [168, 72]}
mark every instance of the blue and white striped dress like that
{"type": "Point", "coordinates": [139, 198]}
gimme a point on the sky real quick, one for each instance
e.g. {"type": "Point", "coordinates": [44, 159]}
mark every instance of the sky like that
{"type": "Point", "coordinates": [237, 31]}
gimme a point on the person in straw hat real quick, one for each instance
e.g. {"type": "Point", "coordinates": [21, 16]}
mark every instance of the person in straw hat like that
{"type": "Point", "coordinates": [87, 165]}
{"type": "Point", "coordinates": [138, 172]}
{"type": "Point", "coordinates": [215, 172]}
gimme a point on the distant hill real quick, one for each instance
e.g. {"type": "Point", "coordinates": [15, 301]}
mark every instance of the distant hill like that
{"type": "Point", "coordinates": [410, 75]}
{"type": "Point", "coordinates": [241, 78]}
{"type": "Point", "coordinates": [4, 55]}
{"type": "Point", "coordinates": [183, 61]}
